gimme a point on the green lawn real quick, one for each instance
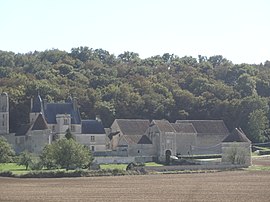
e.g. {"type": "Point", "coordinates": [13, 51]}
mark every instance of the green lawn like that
{"type": "Point", "coordinates": [113, 166]}
{"type": "Point", "coordinates": [13, 167]}
{"type": "Point", "coordinates": [258, 168]}
{"type": "Point", "coordinates": [17, 169]}
{"type": "Point", "coordinates": [153, 164]}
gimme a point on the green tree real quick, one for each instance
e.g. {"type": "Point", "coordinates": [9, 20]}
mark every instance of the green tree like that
{"type": "Point", "coordinates": [69, 135]}
{"type": "Point", "coordinates": [6, 151]}
{"type": "Point", "coordinates": [47, 157]}
{"type": "Point", "coordinates": [257, 125]}
{"type": "Point", "coordinates": [246, 85]}
{"type": "Point", "coordinates": [25, 158]}
{"type": "Point", "coordinates": [67, 154]}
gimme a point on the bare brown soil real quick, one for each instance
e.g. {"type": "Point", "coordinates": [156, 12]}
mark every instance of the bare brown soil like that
{"type": "Point", "coordinates": [221, 186]}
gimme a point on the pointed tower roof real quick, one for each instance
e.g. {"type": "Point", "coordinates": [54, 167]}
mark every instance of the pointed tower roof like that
{"type": "Point", "coordinates": [237, 135]}
{"type": "Point", "coordinates": [69, 99]}
{"type": "Point", "coordinates": [37, 104]}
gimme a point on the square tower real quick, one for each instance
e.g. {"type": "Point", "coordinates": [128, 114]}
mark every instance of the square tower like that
{"type": "Point", "coordinates": [4, 113]}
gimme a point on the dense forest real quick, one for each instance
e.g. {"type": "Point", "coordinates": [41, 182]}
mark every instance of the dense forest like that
{"type": "Point", "coordinates": [126, 86]}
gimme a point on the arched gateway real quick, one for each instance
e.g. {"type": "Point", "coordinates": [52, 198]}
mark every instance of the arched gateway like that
{"type": "Point", "coordinates": [168, 154]}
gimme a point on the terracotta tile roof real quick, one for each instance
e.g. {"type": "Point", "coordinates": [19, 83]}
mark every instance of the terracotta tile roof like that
{"type": "Point", "coordinates": [237, 135]}
{"type": "Point", "coordinates": [40, 123]}
{"type": "Point", "coordinates": [144, 140]}
{"type": "Point", "coordinates": [133, 126]}
{"type": "Point", "coordinates": [135, 139]}
{"type": "Point", "coordinates": [164, 125]}
{"type": "Point", "coordinates": [183, 127]}
{"type": "Point", "coordinates": [207, 126]}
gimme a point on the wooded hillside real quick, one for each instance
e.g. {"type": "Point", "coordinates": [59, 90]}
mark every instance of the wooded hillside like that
{"type": "Point", "coordinates": [126, 86]}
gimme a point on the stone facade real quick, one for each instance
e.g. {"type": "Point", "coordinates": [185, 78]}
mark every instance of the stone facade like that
{"type": "Point", "coordinates": [93, 135]}
{"type": "Point", "coordinates": [236, 148]}
{"type": "Point", "coordinates": [158, 139]}
{"type": "Point", "coordinates": [173, 139]}
{"type": "Point", "coordinates": [4, 114]}
{"type": "Point", "coordinates": [48, 121]}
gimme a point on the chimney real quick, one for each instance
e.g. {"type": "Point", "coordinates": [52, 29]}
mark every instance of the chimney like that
{"type": "Point", "coordinates": [31, 104]}
{"type": "Point", "coordinates": [98, 118]}
{"type": "Point", "coordinates": [45, 101]}
{"type": "Point", "coordinates": [75, 103]}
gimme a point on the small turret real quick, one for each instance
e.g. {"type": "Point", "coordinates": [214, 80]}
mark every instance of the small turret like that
{"type": "Point", "coordinates": [4, 105]}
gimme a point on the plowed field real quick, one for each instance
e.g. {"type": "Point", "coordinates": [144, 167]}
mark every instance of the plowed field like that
{"type": "Point", "coordinates": [221, 186]}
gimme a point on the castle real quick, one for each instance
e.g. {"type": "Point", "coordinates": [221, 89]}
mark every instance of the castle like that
{"type": "Point", "coordinates": [49, 121]}
{"type": "Point", "coordinates": [126, 138]}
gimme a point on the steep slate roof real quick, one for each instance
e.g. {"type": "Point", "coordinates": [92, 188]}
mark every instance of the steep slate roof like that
{"type": "Point", "coordinates": [23, 129]}
{"type": "Point", "coordinates": [183, 127]}
{"type": "Point", "coordinates": [39, 124]}
{"type": "Point", "coordinates": [52, 109]}
{"type": "Point", "coordinates": [236, 136]}
{"type": "Point", "coordinates": [207, 126]}
{"type": "Point", "coordinates": [92, 127]}
{"type": "Point", "coordinates": [37, 104]}
{"type": "Point", "coordinates": [133, 126]}
{"type": "Point", "coordinates": [164, 125]}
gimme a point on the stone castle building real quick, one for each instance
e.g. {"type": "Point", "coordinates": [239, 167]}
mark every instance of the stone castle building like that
{"type": "Point", "coordinates": [50, 121]}
{"type": "Point", "coordinates": [155, 140]}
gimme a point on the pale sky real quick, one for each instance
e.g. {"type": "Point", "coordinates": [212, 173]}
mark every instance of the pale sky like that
{"type": "Point", "coordinates": [239, 30]}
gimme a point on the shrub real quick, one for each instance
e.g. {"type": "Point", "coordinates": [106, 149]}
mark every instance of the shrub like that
{"type": "Point", "coordinates": [36, 165]}
{"type": "Point", "coordinates": [6, 174]}
{"type": "Point", "coordinates": [236, 155]}
{"type": "Point", "coordinates": [264, 152]}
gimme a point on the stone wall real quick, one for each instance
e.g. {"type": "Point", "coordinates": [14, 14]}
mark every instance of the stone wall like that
{"type": "Point", "coordinates": [206, 140]}
{"type": "Point", "coordinates": [115, 138]}
{"type": "Point", "coordinates": [184, 142]}
{"type": "Point", "coordinates": [98, 141]}
{"type": "Point", "coordinates": [113, 159]}
{"type": "Point", "coordinates": [194, 167]}
{"type": "Point", "coordinates": [141, 150]}
{"type": "Point", "coordinates": [110, 153]}
{"type": "Point", "coordinates": [35, 141]}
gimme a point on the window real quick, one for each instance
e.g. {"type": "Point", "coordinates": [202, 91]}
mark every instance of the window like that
{"type": "Point", "coordinates": [65, 122]}
{"type": "Point", "coordinates": [3, 123]}
{"type": "Point", "coordinates": [92, 138]}
{"type": "Point", "coordinates": [53, 128]}
{"type": "Point", "coordinates": [72, 128]}
{"type": "Point", "coordinates": [3, 116]}
{"type": "Point", "coordinates": [92, 148]}
{"type": "Point", "coordinates": [18, 140]}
